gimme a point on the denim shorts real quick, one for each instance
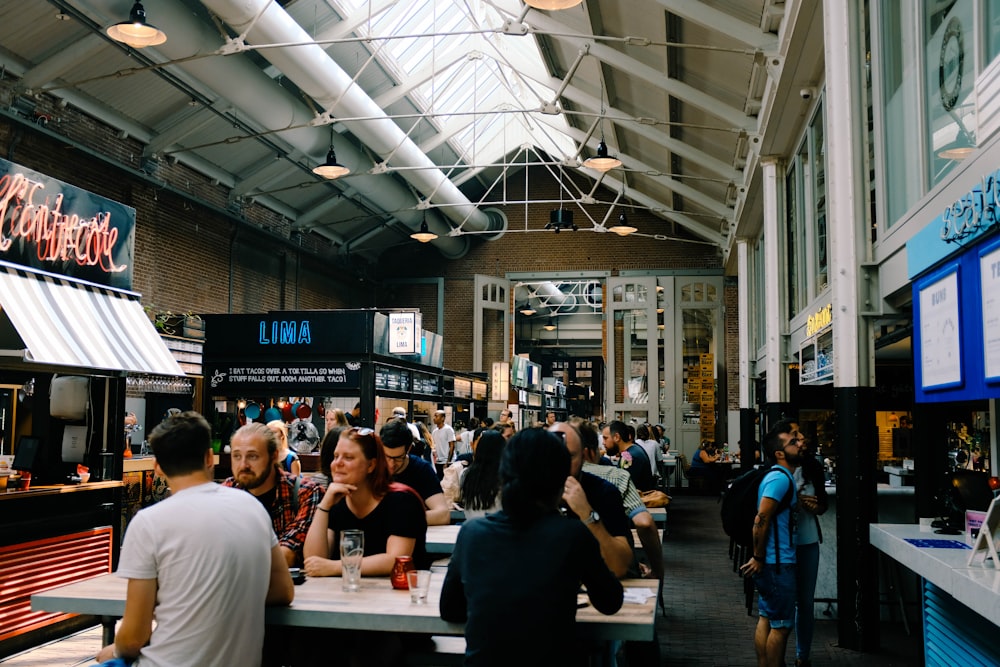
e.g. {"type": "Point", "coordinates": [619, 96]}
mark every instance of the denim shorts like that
{"type": "Point", "coordinates": [776, 594]}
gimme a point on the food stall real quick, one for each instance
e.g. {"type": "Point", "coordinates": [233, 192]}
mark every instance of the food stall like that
{"type": "Point", "coordinates": [70, 331]}
{"type": "Point", "coordinates": [326, 358]}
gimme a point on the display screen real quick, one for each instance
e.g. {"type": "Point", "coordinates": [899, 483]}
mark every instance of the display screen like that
{"type": "Point", "coordinates": [26, 454]}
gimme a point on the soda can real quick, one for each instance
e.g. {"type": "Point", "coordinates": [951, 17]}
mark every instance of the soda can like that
{"type": "Point", "coordinates": [402, 565]}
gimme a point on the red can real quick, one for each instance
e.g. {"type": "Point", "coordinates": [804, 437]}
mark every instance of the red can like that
{"type": "Point", "coordinates": [402, 565]}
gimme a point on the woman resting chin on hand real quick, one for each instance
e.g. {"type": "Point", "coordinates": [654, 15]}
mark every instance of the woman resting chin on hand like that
{"type": "Point", "coordinates": [361, 497]}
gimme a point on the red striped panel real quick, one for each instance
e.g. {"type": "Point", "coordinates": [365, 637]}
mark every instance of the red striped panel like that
{"type": "Point", "coordinates": [33, 567]}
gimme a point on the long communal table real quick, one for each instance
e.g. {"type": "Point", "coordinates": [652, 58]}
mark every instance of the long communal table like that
{"type": "Point", "coordinates": [441, 539]}
{"type": "Point", "coordinates": [321, 603]}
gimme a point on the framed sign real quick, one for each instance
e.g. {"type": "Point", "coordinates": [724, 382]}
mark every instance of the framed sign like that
{"type": "Point", "coordinates": [986, 540]}
{"type": "Point", "coordinates": [989, 280]}
{"type": "Point", "coordinates": [940, 332]}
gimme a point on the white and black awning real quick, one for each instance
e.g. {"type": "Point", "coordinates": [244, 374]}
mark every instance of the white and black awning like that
{"type": "Point", "coordinates": [61, 322]}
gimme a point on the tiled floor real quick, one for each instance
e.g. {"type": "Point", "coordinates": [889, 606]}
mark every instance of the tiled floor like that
{"type": "Point", "coordinates": [705, 625]}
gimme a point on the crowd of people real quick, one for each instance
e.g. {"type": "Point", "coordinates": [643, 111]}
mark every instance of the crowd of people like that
{"type": "Point", "coordinates": [517, 488]}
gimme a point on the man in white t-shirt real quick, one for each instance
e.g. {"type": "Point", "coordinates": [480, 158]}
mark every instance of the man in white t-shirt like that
{"type": "Point", "coordinates": [444, 442]}
{"type": "Point", "coordinates": [400, 413]}
{"type": "Point", "coordinates": [204, 556]}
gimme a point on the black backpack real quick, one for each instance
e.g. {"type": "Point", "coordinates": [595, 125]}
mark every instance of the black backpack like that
{"type": "Point", "coordinates": [739, 505]}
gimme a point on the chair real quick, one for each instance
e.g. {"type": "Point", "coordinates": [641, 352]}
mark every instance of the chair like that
{"type": "Point", "coordinates": [694, 481]}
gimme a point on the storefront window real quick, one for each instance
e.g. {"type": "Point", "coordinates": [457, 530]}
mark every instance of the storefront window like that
{"type": "Point", "coordinates": [796, 279]}
{"type": "Point", "coordinates": [950, 77]}
{"type": "Point", "coordinates": [991, 27]}
{"type": "Point", "coordinates": [900, 81]}
{"type": "Point", "coordinates": [818, 181]}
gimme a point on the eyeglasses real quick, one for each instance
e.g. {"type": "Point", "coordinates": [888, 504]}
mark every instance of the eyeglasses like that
{"type": "Point", "coordinates": [400, 458]}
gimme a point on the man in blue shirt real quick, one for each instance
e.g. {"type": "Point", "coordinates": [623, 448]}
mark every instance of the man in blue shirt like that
{"type": "Point", "coordinates": [772, 563]}
{"type": "Point", "coordinates": [631, 457]}
{"type": "Point", "coordinates": [413, 471]}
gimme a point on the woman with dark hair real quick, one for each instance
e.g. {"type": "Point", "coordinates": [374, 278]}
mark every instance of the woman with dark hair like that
{"type": "Point", "coordinates": [481, 481]}
{"type": "Point", "coordinates": [360, 496]}
{"type": "Point", "coordinates": [527, 562]}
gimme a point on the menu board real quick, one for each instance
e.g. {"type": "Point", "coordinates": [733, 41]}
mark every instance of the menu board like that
{"type": "Point", "coordinates": [940, 338]}
{"type": "Point", "coordinates": [425, 384]}
{"type": "Point", "coordinates": [478, 390]}
{"type": "Point", "coordinates": [392, 379]}
{"type": "Point", "coordinates": [305, 377]}
{"type": "Point", "coordinates": [463, 388]}
{"type": "Point", "coordinates": [989, 276]}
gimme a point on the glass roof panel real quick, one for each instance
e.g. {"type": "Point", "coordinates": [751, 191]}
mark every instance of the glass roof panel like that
{"type": "Point", "coordinates": [496, 80]}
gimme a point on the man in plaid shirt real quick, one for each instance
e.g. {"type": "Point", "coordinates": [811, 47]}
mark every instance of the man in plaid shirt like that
{"type": "Point", "coordinates": [290, 500]}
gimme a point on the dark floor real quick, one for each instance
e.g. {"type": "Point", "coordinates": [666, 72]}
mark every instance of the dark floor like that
{"type": "Point", "coordinates": [706, 622]}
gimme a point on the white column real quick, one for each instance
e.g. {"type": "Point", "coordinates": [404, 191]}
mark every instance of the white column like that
{"type": "Point", "coordinates": [847, 223]}
{"type": "Point", "coordinates": [743, 303]}
{"type": "Point", "coordinates": [772, 170]}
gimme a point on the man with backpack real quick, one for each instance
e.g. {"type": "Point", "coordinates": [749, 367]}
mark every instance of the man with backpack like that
{"type": "Point", "coordinates": [772, 560]}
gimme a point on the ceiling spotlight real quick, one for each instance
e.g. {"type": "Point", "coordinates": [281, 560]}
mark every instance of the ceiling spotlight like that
{"type": "Point", "coordinates": [623, 228]}
{"type": "Point", "coordinates": [136, 32]}
{"type": "Point", "coordinates": [425, 235]}
{"type": "Point", "coordinates": [552, 4]}
{"type": "Point", "coordinates": [602, 161]}
{"type": "Point", "coordinates": [550, 325]}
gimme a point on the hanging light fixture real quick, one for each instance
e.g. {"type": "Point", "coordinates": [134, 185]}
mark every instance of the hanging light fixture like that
{"type": "Point", "coordinates": [136, 32]}
{"type": "Point", "coordinates": [550, 325]}
{"type": "Point", "coordinates": [552, 4]}
{"type": "Point", "coordinates": [528, 311]}
{"type": "Point", "coordinates": [623, 228]}
{"type": "Point", "coordinates": [602, 161]}
{"type": "Point", "coordinates": [331, 169]}
{"type": "Point", "coordinates": [425, 235]}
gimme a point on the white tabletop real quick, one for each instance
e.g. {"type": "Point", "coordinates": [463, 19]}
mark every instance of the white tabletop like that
{"type": "Point", "coordinates": [659, 516]}
{"type": "Point", "coordinates": [320, 603]}
{"type": "Point", "coordinates": [976, 586]}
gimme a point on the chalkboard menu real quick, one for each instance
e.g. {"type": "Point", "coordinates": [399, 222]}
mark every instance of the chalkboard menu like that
{"type": "Point", "coordinates": [391, 379]}
{"type": "Point", "coordinates": [425, 384]}
{"type": "Point", "coordinates": [304, 378]}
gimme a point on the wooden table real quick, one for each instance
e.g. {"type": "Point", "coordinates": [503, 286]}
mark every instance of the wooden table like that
{"type": "Point", "coordinates": [320, 603]}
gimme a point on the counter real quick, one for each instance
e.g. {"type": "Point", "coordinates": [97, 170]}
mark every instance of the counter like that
{"type": "Point", "coordinates": [960, 604]}
{"type": "Point", "coordinates": [51, 535]}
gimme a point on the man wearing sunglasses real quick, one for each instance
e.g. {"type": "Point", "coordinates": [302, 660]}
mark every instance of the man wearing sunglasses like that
{"type": "Point", "coordinates": [419, 475]}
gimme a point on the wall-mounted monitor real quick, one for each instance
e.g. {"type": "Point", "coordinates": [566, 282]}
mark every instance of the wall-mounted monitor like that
{"type": "Point", "coordinates": [27, 456]}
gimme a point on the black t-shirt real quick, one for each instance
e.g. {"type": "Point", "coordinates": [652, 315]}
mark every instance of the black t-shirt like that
{"type": "Point", "coordinates": [639, 468]}
{"type": "Point", "coordinates": [606, 500]}
{"type": "Point", "coordinates": [421, 477]}
{"type": "Point", "coordinates": [399, 513]}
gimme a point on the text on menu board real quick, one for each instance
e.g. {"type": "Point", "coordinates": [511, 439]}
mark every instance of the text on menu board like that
{"type": "Point", "coordinates": [314, 376]}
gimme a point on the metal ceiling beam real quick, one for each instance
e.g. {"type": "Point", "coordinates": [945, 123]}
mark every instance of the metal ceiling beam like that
{"type": "Point", "coordinates": [62, 60]}
{"type": "Point", "coordinates": [732, 117]}
{"type": "Point", "coordinates": [723, 23]}
{"type": "Point", "coordinates": [182, 125]}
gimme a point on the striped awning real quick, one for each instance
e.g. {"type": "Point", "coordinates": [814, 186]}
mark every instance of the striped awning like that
{"type": "Point", "coordinates": [76, 324]}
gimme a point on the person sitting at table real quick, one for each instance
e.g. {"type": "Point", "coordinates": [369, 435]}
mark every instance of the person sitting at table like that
{"type": "Point", "coordinates": [632, 458]}
{"type": "Point", "coordinates": [361, 496]}
{"type": "Point", "coordinates": [287, 459]}
{"type": "Point", "coordinates": [703, 464]}
{"type": "Point", "coordinates": [419, 475]}
{"type": "Point", "coordinates": [289, 499]}
{"type": "Point", "coordinates": [527, 562]}
{"type": "Point", "coordinates": [481, 480]}
{"type": "Point", "coordinates": [240, 567]}
{"type": "Point", "coordinates": [644, 438]}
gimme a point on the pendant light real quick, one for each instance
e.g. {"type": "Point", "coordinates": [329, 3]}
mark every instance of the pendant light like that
{"type": "Point", "coordinates": [528, 311]}
{"type": "Point", "coordinates": [552, 4]}
{"type": "Point", "coordinates": [425, 235]}
{"type": "Point", "coordinates": [331, 169]}
{"type": "Point", "coordinates": [550, 325]}
{"type": "Point", "coordinates": [623, 228]}
{"type": "Point", "coordinates": [602, 161]}
{"type": "Point", "coordinates": [136, 32]}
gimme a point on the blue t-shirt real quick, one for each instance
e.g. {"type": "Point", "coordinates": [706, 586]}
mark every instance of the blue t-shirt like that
{"type": "Point", "coordinates": [420, 476]}
{"type": "Point", "coordinates": [775, 485]}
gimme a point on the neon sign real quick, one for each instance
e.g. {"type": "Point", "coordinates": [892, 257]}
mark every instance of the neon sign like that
{"type": "Point", "coordinates": [819, 320]}
{"type": "Point", "coordinates": [27, 214]}
{"type": "Point", "coordinates": [288, 332]}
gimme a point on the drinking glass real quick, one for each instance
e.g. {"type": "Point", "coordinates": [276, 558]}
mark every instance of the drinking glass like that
{"type": "Point", "coordinates": [420, 584]}
{"type": "Point", "coordinates": [352, 550]}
